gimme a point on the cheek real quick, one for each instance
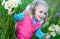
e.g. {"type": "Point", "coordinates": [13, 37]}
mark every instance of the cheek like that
{"type": "Point", "coordinates": [44, 16]}
{"type": "Point", "coordinates": [37, 15]}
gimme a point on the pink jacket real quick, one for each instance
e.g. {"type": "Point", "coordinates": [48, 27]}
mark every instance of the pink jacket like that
{"type": "Point", "coordinates": [25, 28]}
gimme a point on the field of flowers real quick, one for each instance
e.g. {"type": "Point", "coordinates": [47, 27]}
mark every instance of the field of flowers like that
{"type": "Point", "coordinates": [52, 25]}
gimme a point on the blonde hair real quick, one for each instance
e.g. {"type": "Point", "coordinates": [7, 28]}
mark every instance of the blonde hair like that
{"type": "Point", "coordinates": [31, 7]}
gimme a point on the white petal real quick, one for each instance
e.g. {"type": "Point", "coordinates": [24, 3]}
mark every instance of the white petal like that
{"type": "Point", "coordinates": [53, 34]}
{"type": "Point", "coordinates": [3, 2]}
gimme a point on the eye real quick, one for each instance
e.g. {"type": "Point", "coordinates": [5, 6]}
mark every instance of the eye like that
{"type": "Point", "coordinates": [45, 13]}
{"type": "Point", "coordinates": [41, 11]}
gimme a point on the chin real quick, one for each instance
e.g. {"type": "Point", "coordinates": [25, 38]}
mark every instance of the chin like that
{"type": "Point", "coordinates": [39, 19]}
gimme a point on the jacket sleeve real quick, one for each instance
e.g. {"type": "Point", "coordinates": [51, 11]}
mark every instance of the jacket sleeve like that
{"type": "Point", "coordinates": [40, 34]}
{"type": "Point", "coordinates": [18, 17]}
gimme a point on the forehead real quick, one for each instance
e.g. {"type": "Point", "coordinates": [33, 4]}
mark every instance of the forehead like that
{"type": "Point", "coordinates": [41, 8]}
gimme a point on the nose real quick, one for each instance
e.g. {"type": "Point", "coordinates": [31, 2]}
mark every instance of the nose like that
{"type": "Point", "coordinates": [41, 15]}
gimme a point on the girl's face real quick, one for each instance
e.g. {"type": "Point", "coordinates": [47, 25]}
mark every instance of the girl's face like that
{"type": "Point", "coordinates": [40, 12]}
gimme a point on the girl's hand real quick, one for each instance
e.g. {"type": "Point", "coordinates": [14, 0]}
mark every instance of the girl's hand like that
{"type": "Point", "coordinates": [10, 12]}
{"type": "Point", "coordinates": [48, 36]}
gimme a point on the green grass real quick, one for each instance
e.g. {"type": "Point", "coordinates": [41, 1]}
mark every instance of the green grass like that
{"type": "Point", "coordinates": [7, 30]}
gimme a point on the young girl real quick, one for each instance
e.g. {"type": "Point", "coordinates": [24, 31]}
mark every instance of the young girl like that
{"type": "Point", "coordinates": [28, 22]}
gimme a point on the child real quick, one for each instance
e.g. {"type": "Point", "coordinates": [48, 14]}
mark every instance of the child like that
{"type": "Point", "coordinates": [28, 23]}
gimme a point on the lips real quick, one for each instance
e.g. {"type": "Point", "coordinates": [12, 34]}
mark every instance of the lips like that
{"type": "Point", "coordinates": [40, 17]}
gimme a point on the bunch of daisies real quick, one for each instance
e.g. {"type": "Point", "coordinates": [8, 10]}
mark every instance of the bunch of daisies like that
{"type": "Point", "coordinates": [9, 4]}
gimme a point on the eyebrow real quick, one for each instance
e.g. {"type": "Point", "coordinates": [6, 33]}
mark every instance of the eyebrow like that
{"type": "Point", "coordinates": [41, 11]}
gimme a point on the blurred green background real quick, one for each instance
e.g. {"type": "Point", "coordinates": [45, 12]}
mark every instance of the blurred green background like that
{"type": "Point", "coordinates": [7, 30]}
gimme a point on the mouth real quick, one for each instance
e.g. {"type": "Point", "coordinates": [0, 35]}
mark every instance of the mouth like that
{"type": "Point", "coordinates": [40, 17]}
